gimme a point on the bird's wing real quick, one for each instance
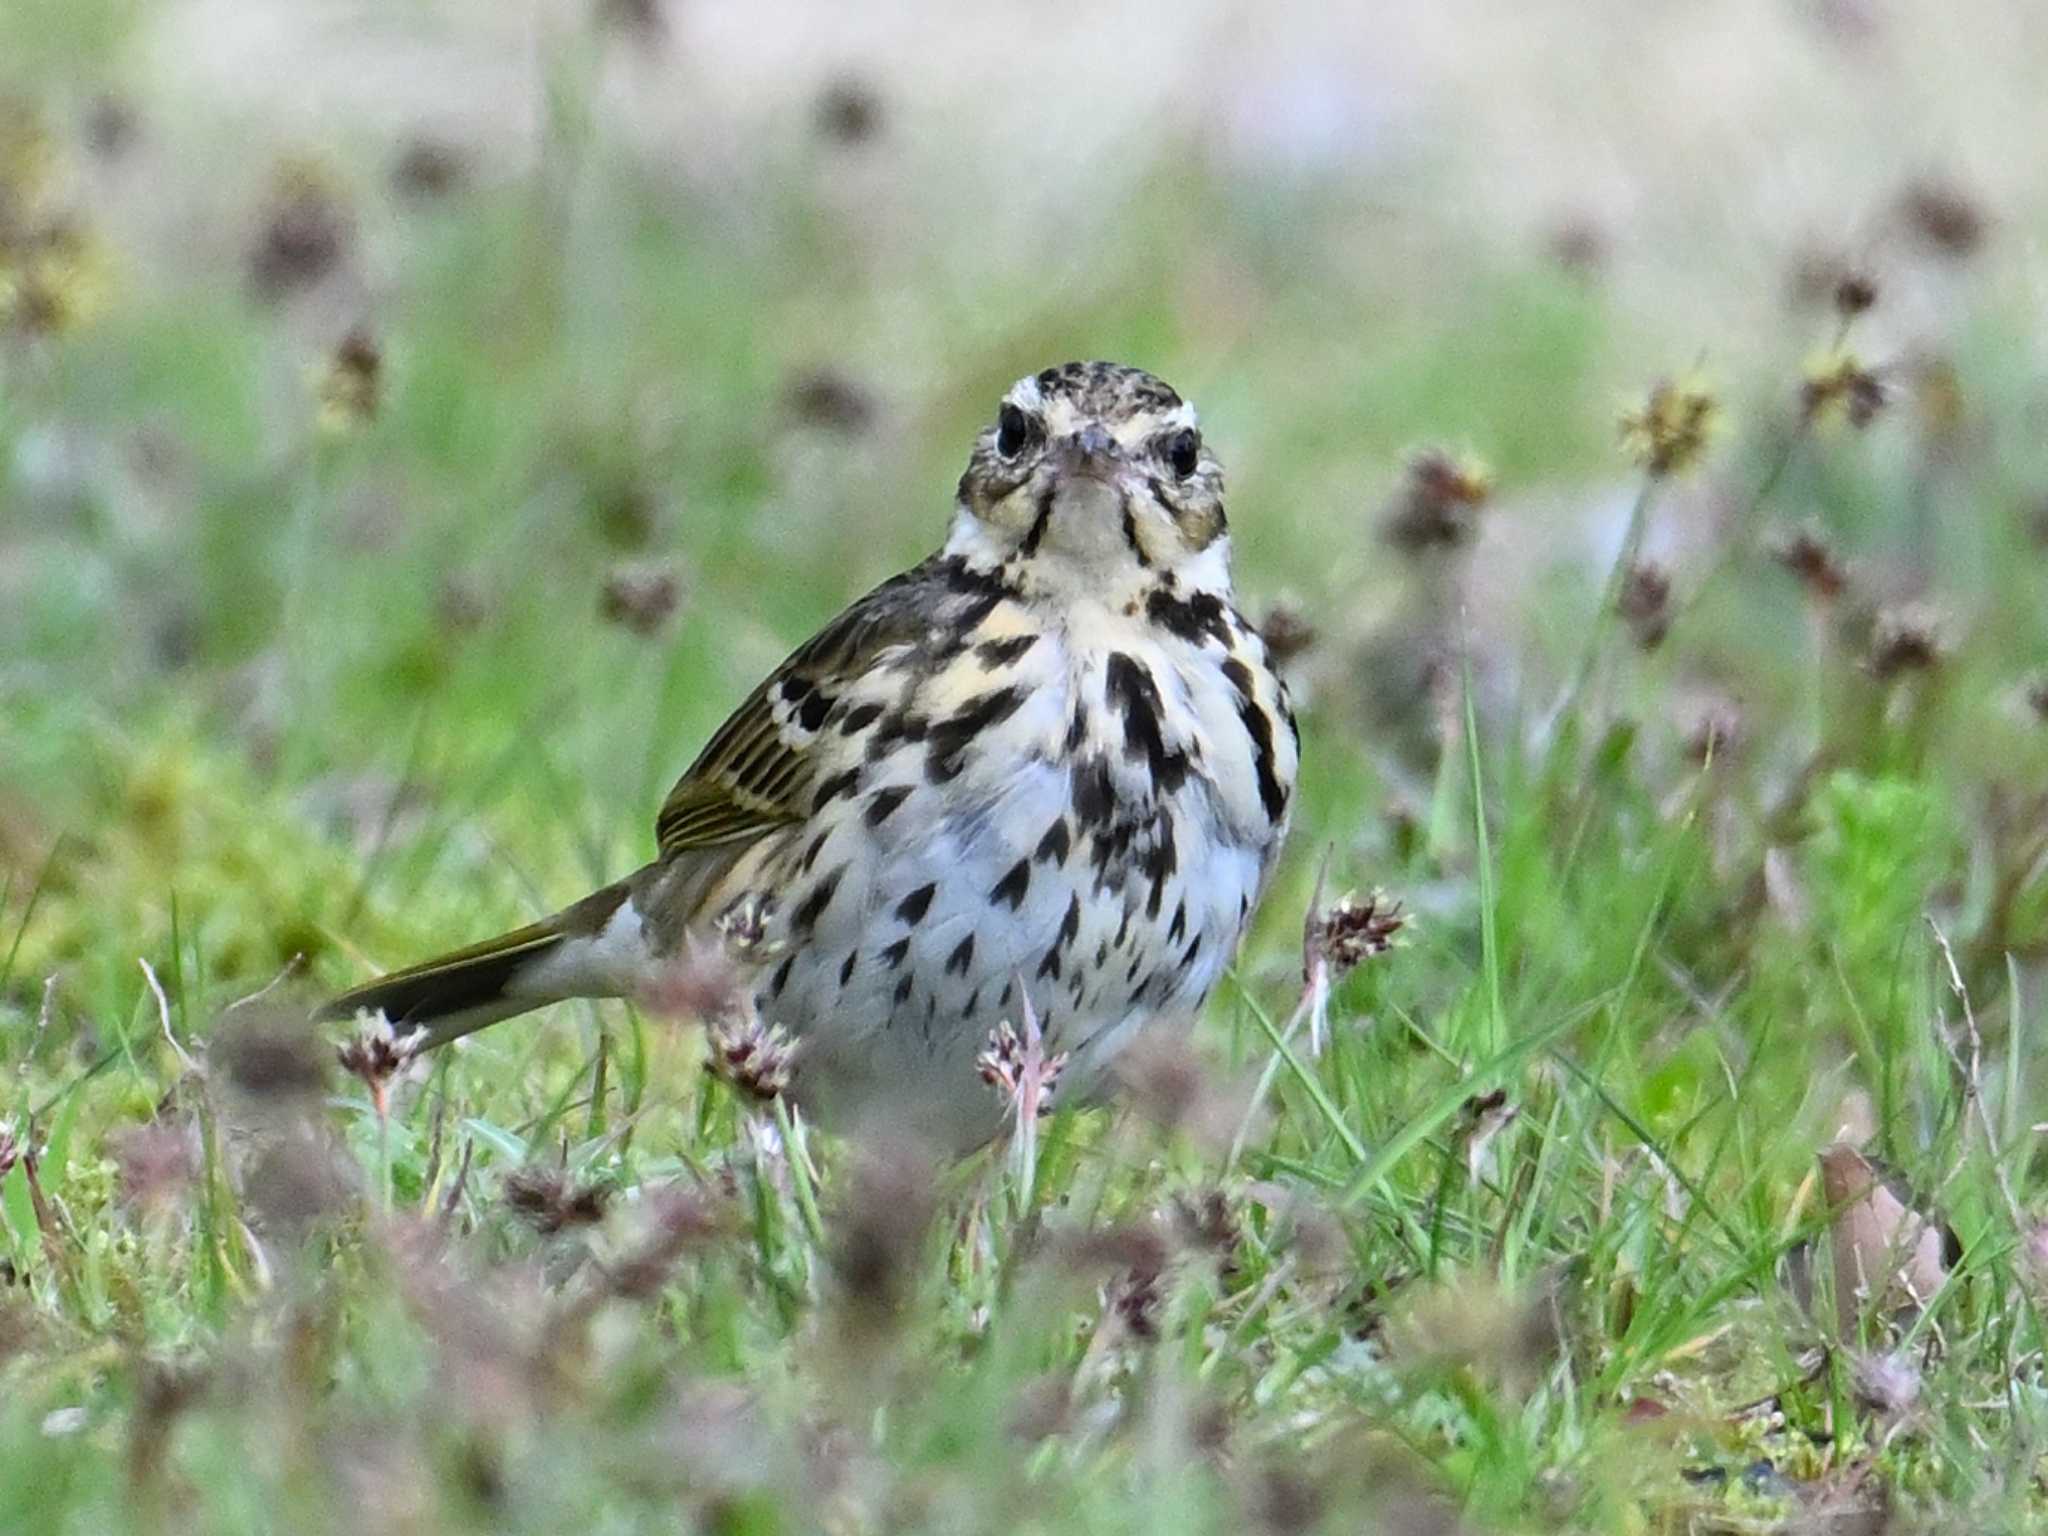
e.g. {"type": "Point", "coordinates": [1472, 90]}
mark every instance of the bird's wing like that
{"type": "Point", "coordinates": [759, 771]}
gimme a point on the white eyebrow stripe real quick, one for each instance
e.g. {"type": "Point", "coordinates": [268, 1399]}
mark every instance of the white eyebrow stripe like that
{"type": "Point", "coordinates": [1026, 394]}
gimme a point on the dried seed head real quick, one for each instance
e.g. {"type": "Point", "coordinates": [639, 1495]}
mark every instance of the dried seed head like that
{"type": "Point", "coordinates": [461, 603]}
{"type": "Point", "coordinates": [1287, 631]}
{"type": "Point", "coordinates": [427, 169]}
{"type": "Point", "coordinates": [1337, 939]}
{"type": "Point", "coordinates": [641, 22]}
{"type": "Point", "coordinates": [1715, 731]}
{"type": "Point", "coordinates": [1580, 245]}
{"type": "Point", "coordinates": [849, 111]}
{"type": "Point", "coordinates": [1017, 1067]}
{"type": "Point", "coordinates": [380, 1056]}
{"type": "Point", "coordinates": [304, 231]}
{"type": "Point", "coordinates": [642, 598]}
{"type": "Point", "coordinates": [1483, 1117]}
{"type": "Point", "coordinates": [1435, 506]}
{"type": "Point", "coordinates": [829, 398]}
{"type": "Point", "coordinates": [53, 279]}
{"type": "Point", "coordinates": [110, 126]}
{"type": "Point", "coordinates": [350, 386]}
{"type": "Point", "coordinates": [2037, 698]}
{"type": "Point", "coordinates": [753, 1059]}
{"type": "Point", "coordinates": [1838, 387]}
{"type": "Point", "coordinates": [1644, 603]}
{"type": "Point", "coordinates": [1205, 1223]}
{"type": "Point", "coordinates": [1943, 217]}
{"type": "Point", "coordinates": [549, 1201]}
{"type": "Point", "coordinates": [1855, 293]}
{"type": "Point", "coordinates": [1136, 1299]}
{"type": "Point", "coordinates": [1807, 556]}
{"type": "Point", "coordinates": [1905, 638]}
{"type": "Point", "coordinates": [1670, 429]}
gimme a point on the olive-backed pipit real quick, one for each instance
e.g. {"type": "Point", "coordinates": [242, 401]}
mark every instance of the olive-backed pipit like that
{"type": "Point", "coordinates": [1049, 764]}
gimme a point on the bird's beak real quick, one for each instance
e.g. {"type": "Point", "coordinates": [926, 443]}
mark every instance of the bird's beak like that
{"type": "Point", "coordinates": [1091, 452]}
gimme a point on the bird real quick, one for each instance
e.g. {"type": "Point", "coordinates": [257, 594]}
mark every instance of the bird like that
{"type": "Point", "coordinates": [1046, 772]}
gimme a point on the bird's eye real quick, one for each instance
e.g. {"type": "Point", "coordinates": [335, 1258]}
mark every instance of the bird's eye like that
{"type": "Point", "coordinates": [1013, 431]}
{"type": "Point", "coordinates": [1184, 451]}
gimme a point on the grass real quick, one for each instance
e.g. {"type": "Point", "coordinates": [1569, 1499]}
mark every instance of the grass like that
{"type": "Point", "coordinates": [296, 682]}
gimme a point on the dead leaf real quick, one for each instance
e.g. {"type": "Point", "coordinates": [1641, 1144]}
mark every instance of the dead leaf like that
{"type": "Point", "coordinates": [1885, 1252]}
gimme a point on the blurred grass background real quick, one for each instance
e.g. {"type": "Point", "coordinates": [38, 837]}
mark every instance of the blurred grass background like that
{"type": "Point", "coordinates": [420, 424]}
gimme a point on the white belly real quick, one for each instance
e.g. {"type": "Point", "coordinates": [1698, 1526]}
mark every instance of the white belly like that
{"type": "Point", "coordinates": [1107, 914]}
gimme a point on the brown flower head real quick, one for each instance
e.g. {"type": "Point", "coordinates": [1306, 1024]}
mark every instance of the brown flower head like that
{"type": "Point", "coordinates": [1287, 631]}
{"type": "Point", "coordinates": [1339, 938]}
{"type": "Point", "coordinates": [549, 1201]}
{"type": "Point", "coordinates": [831, 399]}
{"type": "Point", "coordinates": [642, 598]}
{"type": "Point", "coordinates": [1855, 292]}
{"type": "Point", "coordinates": [110, 126]}
{"type": "Point", "coordinates": [1714, 732]}
{"type": "Point", "coordinates": [1580, 245]}
{"type": "Point", "coordinates": [304, 231]}
{"type": "Point", "coordinates": [1944, 217]}
{"type": "Point", "coordinates": [2037, 697]}
{"type": "Point", "coordinates": [849, 111]}
{"type": "Point", "coordinates": [643, 23]}
{"type": "Point", "coordinates": [1670, 429]}
{"type": "Point", "coordinates": [1440, 494]}
{"type": "Point", "coordinates": [1807, 556]}
{"type": "Point", "coordinates": [1483, 1117]}
{"type": "Point", "coordinates": [754, 1059]}
{"type": "Point", "coordinates": [1839, 387]}
{"type": "Point", "coordinates": [1017, 1067]}
{"type": "Point", "coordinates": [53, 279]}
{"type": "Point", "coordinates": [1135, 1300]}
{"type": "Point", "coordinates": [427, 169]}
{"type": "Point", "coordinates": [380, 1056]}
{"type": "Point", "coordinates": [1905, 638]}
{"type": "Point", "coordinates": [1335, 941]}
{"type": "Point", "coordinates": [351, 384]}
{"type": "Point", "coordinates": [1644, 603]}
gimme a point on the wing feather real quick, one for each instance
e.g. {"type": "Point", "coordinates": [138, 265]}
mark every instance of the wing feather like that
{"type": "Point", "coordinates": [759, 770]}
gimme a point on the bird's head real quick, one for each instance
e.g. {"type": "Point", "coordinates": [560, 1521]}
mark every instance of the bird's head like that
{"type": "Point", "coordinates": [1094, 477]}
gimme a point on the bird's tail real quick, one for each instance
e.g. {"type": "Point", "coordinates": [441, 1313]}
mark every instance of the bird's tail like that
{"type": "Point", "coordinates": [562, 956]}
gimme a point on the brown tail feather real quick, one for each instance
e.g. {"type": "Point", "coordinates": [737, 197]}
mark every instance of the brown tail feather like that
{"type": "Point", "coordinates": [454, 993]}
